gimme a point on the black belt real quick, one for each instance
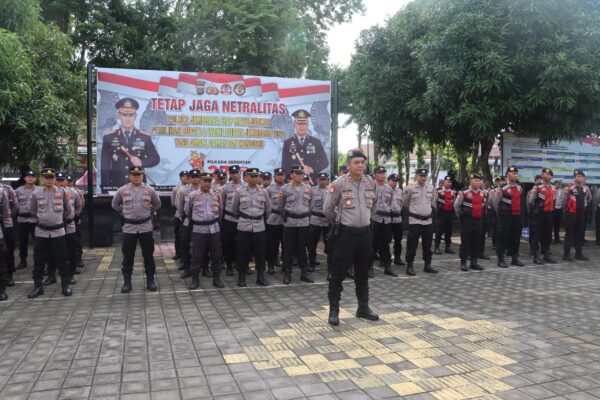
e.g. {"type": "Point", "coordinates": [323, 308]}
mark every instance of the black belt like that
{"type": "Point", "coordinates": [275, 212]}
{"type": "Point", "coordinates": [246, 216]}
{"type": "Point", "coordinates": [357, 231]}
{"type": "Point", "coordinates": [395, 214]}
{"type": "Point", "coordinates": [421, 217]}
{"type": "Point", "coordinates": [137, 221]}
{"type": "Point", "coordinates": [297, 216]}
{"type": "Point", "coordinates": [230, 214]}
{"type": "Point", "coordinates": [68, 221]}
{"type": "Point", "coordinates": [318, 214]}
{"type": "Point", "coordinates": [24, 215]}
{"type": "Point", "coordinates": [212, 221]}
{"type": "Point", "coordinates": [384, 213]}
{"type": "Point", "coordinates": [51, 227]}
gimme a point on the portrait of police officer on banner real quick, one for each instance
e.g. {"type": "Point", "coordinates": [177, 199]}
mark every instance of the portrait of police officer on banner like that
{"type": "Point", "coordinates": [125, 147]}
{"type": "Point", "coordinates": [303, 148]}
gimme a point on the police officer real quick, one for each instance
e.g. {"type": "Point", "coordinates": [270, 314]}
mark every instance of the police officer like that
{"type": "Point", "coordinates": [318, 224]}
{"type": "Point", "coordinates": [125, 147]}
{"type": "Point", "coordinates": [470, 205]}
{"type": "Point", "coordinates": [204, 208]}
{"type": "Point", "coordinates": [541, 205]}
{"type": "Point", "coordinates": [137, 202]}
{"type": "Point", "coordinates": [78, 246]}
{"type": "Point", "coordinates": [596, 207]}
{"type": "Point", "coordinates": [4, 273]}
{"type": "Point", "coordinates": [397, 229]}
{"type": "Point", "coordinates": [229, 223]}
{"type": "Point", "coordinates": [25, 219]}
{"type": "Point", "coordinates": [50, 205]}
{"type": "Point", "coordinates": [70, 239]}
{"type": "Point", "coordinates": [444, 215]}
{"type": "Point", "coordinates": [537, 182]}
{"type": "Point", "coordinates": [175, 194]}
{"type": "Point", "coordinates": [186, 226]}
{"type": "Point", "coordinates": [295, 209]}
{"type": "Point", "coordinates": [382, 221]}
{"type": "Point", "coordinates": [251, 205]}
{"type": "Point", "coordinates": [304, 149]}
{"type": "Point", "coordinates": [576, 198]}
{"type": "Point", "coordinates": [350, 204]}
{"type": "Point", "coordinates": [420, 200]}
{"type": "Point", "coordinates": [9, 233]}
{"type": "Point", "coordinates": [486, 222]}
{"type": "Point", "coordinates": [275, 221]}
{"type": "Point", "coordinates": [558, 201]}
{"type": "Point", "coordinates": [267, 179]}
{"type": "Point", "coordinates": [507, 204]}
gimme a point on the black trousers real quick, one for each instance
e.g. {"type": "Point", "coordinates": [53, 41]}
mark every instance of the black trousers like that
{"type": "Point", "coordinates": [541, 227]}
{"type": "Point", "coordinates": [557, 222]}
{"type": "Point", "coordinates": [78, 246]}
{"type": "Point", "coordinates": [315, 233]}
{"type": "Point", "coordinates": [3, 271]}
{"type": "Point", "coordinates": [71, 253]}
{"type": "Point", "coordinates": [597, 224]}
{"type": "Point", "coordinates": [471, 234]}
{"type": "Point", "coordinates": [382, 236]}
{"type": "Point", "coordinates": [205, 245]}
{"type": "Point", "coordinates": [397, 233]}
{"type": "Point", "coordinates": [185, 242]}
{"type": "Point", "coordinates": [416, 231]}
{"type": "Point", "coordinates": [274, 240]}
{"type": "Point", "coordinates": [130, 241]}
{"type": "Point", "coordinates": [294, 243]}
{"type": "Point", "coordinates": [24, 231]}
{"type": "Point", "coordinates": [228, 241]}
{"type": "Point", "coordinates": [509, 229]}
{"type": "Point", "coordinates": [351, 247]}
{"type": "Point", "coordinates": [9, 238]}
{"type": "Point", "coordinates": [574, 230]}
{"type": "Point", "coordinates": [444, 227]}
{"type": "Point", "coordinates": [177, 230]}
{"type": "Point", "coordinates": [484, 228]}
{"type": "Point", "coordinates": [492, 225]}
{"type": "Point", "coordinates": [51, 251]}
{"type": "Point", "coordinates": [249, 245]}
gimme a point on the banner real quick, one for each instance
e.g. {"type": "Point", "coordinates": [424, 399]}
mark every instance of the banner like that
{"type": "Point", "coordinates": [169, 121]}
{"type": "Point", "coordinates": [562, 157]}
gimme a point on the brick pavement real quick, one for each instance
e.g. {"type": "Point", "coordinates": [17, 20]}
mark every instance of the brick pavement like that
{"type": "Point", "coordinates": [519, 333]}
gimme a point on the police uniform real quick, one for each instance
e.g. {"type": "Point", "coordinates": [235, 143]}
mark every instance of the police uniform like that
{"type": "Point", "coordinates": [51, 206]}
{"type": "Point", "coordinates": [470, 206]}
{"type": "Point", "coordinates": [251, 205]}
{"type": "Point", "coordinates": [486, 223]}
{"type": "Point", "coordinates": [186, 226]}
{"type": "Point", "coordinates": [306, 150]}
{"type": "Point", "coordinates": [350, 204]}
{"type": "Point", "coordinates": [119, 146]}
{"type": "Point", "coordinates": [78, 246]}
{"type": "Point", "coordinates": [175, 194]}
{"type": "Point", "coordinates": [318, 224]}
{"type": "Point", "coordinates": [575, 200]}
{"type": "Point", "coordinates": [491, 216]}
{"type": "Point", "coordinates": [382, 224]}
{"type": "Point", "coordinates": [541, 206]}
{"type": "Point", "coordinates": [507, 204]}
{"type": "Point", "coordinates": [397, 228]}
{"type": "Point", "coordinates": [229, 223]}
{"type": "Point", "coordinates": [558, 200]}
{"type": "Point", "coordinates": [444, 217]}
{"type": "Point", "coordinates": [25, 219]}
{"type": "Point", "coordinates": [137, 204]}
{"type": "Point", "coordinates": [274, 223]}
{"type": "Point", "coordinates": [9, 234]}
{"type": "Point", "coordinates": [204, 211]}
{"type": "Point", "coordinates": [420, 202]}
{"type": "Point", "coordinates": [5, 274]}
{"type": "Point", "coordinates": [70, 236]}
{"type": "Point", "coordinates": [596, 207]}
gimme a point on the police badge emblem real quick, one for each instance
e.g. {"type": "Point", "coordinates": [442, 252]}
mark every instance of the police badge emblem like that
{"type": "Point", "coordinates": [239, 89]}
{"type": "Point", "coordinates": [226, 89]}
{"type": "Point", "coordinates": [200, 84]}
{"type": "Point", "coordinates": [212, 90]}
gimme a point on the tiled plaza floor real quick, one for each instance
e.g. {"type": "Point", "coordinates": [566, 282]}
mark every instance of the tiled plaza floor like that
{"type": "Point", "coordinates": [516, 333]}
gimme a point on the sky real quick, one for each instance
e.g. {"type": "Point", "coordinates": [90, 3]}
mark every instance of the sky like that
{"type": "Point", "coordinates": [341, 40]}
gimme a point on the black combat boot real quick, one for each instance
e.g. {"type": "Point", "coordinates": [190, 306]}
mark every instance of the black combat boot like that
{"type": "Point", "coordinates": [271, 269]}
{"type": "Point", "coordinates": [206, 271]}
{"type": "Point", "coordinates": [3, 295]}
{"type": "Point", "coordinates": [484, 256]}
{"type": "Point", "coordinates": [186, 273]}
{"type": "Point", "coordinates": [516, 261]}
{"type": "Point", "coordinates": [502, 262]}
{"type": "Point", "coordinates": [249, 271]}
{"type": "Point", "coordinates": [388, 270]}
{"type": "Point", "coordinates": [536, 259]}
{"type": "Point", "coordinates": [429, 269]}
{"type": "Point", "coordinates": [567, 256]}
{"type": "Point", "coordinates": [437, 250]}
{"type": "Point", "coordinates": [410, 271]}
{"type": "Point", "coordinates": [579, 255]}
{"type": "Point", "coordinates": [304, 277]}
{"type": "Point", "coordinates": [22, 264]}
{"type": "Point", "coordinates": [334, 313]}
{"type": "Point", "coordinates": [463, 265]}
{"type": "Point", "coordinates": [364, 311]}
{"type": "Point", "coordinates": [398, 260]}
{"type": "Point", "coordinates": [229, 268]}
{"type": "Point", "coordinates": [50, 280]}
{"type": "Point", "coordinates": [126, 288]}
{"type": "Point", "coordinates": [65, 290]}
{"type": "Point", "coordinates": [474, 265]}
{"type": "Point", "coordinates": [151, 283]}
{"type": "Point", "coordinates": [260, 279]}
{"type": "Point", "coordinates": [287, 276]}
{"type": "Point", "coordinates": [449, 250]}
{"type": "Point", "coordinates": [217, 282]}
{"type": "Point", "coordinates": [549, 259]}
{"type": "Point", "coordinates": [36, 291]}
{"type": "Point", "coordinates": [195, 282]}
{"type": "Point", "coordinates": [10, 282]}
{"type": "Point", "coordinates": [311, 267]}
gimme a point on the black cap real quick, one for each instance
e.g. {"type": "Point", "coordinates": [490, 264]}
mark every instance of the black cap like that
{"type": "Point", "coordinates": [127, 105]}
{"type": "Point", "coordinates": [29, 172]}
{"type": "Point", "coordinates": [234, 168]}
{"type": "Point", "coordinates": [278, 171]}
{"type": "Point", "coordinates": [353, 153]}
{"type": "Point", "coordinates": [392, 177]}
{"type": "Point", "coordinates": [297, 169]}
{"type": "Point", "coordinates": [306, 177]}
{"type": "Point", "coordinates": [222, 175]}
{"type": "Point", "coordinates": [578, 172]}
{"type": "Point", "coordinates": [48, 171]}
{"type": "Point", "coordinates": [512, 169]}
{"type": "Point", "coordinates": [475, 175]}
{"type": "Point", "coordinates": [267, 175]}
{"type": "Point", "coordinates": [322, 175]}
{"type": "Point", "coordinates": [422, 171]}
{"type": "Point", "coordinates": [183, 173]}
{"type": "Point", "coordinates": [252, 171]}
{"type": "Point", "coordinates": [497, 179]}
{"type": "Point", "coordinates": [447, 178]}
{"type": "Point", "coordinates": [301, 114]}
{"type": "Point", "coordinates": [547, 170]}
{"type": "Point", "coordinates": [538, 177]}
{"type": "Point", "coordinates": [61, 176]}
{"type": "Point", "coordinates": [135, 170]}
{"type": "Point", "coordinates": [206, 176]}
{"type": "Point", "coordinates": [378, 170]}
{"type": "Point", "coordinates": [344, 169]}
{"type": "Point", "coordinates": [69, 178]}
{"type": "Point", "coordinates": [194, 172]}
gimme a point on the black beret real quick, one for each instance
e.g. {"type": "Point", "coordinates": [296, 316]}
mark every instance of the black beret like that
{"type": "Point", "coordinates": [547, 170]}
{"type": "Point", "coordinates": [61, 176]}
{"type": "Point", "coordinates": [578, 172]}
{"type": "Point", "coordinates": [183, 173]}
{"type": "Point", "coordinates": [322, 175]}
{"type": "Point", "coordinates": [278, 171]}
{"type": "Point", "coordinates": [267, 175]}
{"type": "Point", "coordinates": [378, 169]}
{"type": "Point", "coordinates": [29, 173]}
{"type": "Point", "coordinates": [512, 169]}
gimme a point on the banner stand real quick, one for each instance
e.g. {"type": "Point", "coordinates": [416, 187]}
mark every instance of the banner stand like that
{"type": "Point", "coordinates": [90, 166]}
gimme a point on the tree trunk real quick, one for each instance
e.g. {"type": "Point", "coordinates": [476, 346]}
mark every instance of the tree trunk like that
{"type": "Point", "coordinates": [407, 166]}
{"type": "Point", "coordinates": [486, 149]}
{"type": "Point", "coordinates": [433, 164]}
{"type": "Point", "coordinates": [399, 163]}
{"type": "Point", "coordinates": [462, 167]}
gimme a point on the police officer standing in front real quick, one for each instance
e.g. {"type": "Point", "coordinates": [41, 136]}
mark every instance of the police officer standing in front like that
{"type": "Point", "coordinates": [319, 224]}
{"type": "Point", "coordinates": [541, 204]}
{"type": "Point", "coordinates": [350, 204]}
{"type": "Point", "coordinates": [295, 208]}
{"type": "Point", "coordinates": [229, 223]}
{"type": "Point", "coordinates": [382, 222]}
{"type": "Point", "coordinates": [251, 206]}
{"type": "Point", "coordinates": [137, 202]}
{"type": "Point", "coordinates": [470, 208]}
{"type": "Point", "coordinates": [444, 215]}
{"type": "Point", "coordinates": [576, 198]}
{"type": "Point", "coordinates": [419, 199]}
{"type": "Point", "coordinates": [275, 221]}
{"type": "Point", "coordinates": [50, 205]}
{"type": "Point", "coordinates": [25, 219]}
